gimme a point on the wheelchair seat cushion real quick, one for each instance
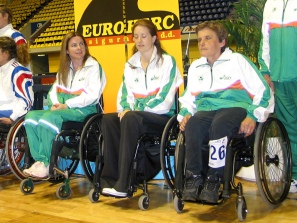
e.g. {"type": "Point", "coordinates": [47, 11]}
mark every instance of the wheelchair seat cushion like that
{"type": "Point", "coordinates": [73, 125]}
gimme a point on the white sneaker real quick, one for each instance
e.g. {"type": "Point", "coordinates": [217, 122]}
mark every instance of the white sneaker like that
{"type": "Point", "coordinates": [113, 192]}
{"type": "Point", "coordinates": [106, 191]}
{"type": "Point", "coordinates": [40, 171]}
{"type": "Point", "coordinates": [293, 187]}
{"type": "Point", "coordinates": [28, 171]}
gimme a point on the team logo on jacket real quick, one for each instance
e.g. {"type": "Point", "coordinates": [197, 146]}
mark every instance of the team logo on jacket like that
{"type": "Point", "coordinates": [226, 78]}
{"type": "Point", "coordinates": [154, 78]}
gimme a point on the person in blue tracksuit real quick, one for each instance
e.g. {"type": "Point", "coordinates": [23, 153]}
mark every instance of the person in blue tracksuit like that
{"type": "Point", "coordinates": [144, 105]}
{"type": "Point", "coordinates": [225, 95]}
{"type": "Point", "coordinates": [74, 95]}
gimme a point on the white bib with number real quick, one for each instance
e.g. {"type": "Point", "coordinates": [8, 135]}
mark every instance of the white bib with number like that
{"type": "Point", "coordinates": [217, 152]}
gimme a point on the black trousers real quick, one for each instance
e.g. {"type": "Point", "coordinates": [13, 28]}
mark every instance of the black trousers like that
{"type": "Point", "coordinates": [205, 126]}
{"type": "Point", "coordinates": [120, 140]}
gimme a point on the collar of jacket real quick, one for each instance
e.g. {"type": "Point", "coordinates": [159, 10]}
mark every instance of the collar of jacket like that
{"type": "Point", "coordinates": [226, 55]}
{"type": "Point", "coordinates": [89, 62]}
{"type": "Point", "coordinates": [134, 61]}
{"type": "Point", "coordinates": [5, 28]}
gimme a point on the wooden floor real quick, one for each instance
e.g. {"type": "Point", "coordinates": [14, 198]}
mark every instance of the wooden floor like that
{"type": "Point", "coordinates": [43, 206]}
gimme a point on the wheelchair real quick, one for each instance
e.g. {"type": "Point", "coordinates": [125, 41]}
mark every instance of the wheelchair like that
{"type": "Point", "coordinates": [5, 133]}
{"type": "Point", "coordinates": [65, 154]}
{"type": "Point", "coordinates": [144, 167]}
{"type": "Point", "coordinates": [268, 149]}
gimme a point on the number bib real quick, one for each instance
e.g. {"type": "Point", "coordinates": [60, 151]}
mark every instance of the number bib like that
{"type": "Point", "coordinates": [217, 152]}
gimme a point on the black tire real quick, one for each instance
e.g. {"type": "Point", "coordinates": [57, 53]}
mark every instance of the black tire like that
{"type": "Point", "coordinates": [167, 150]}
{"type": "Point", "coordinates": [90, 143]}
{"type": "Point", "coordinates": [27, 186]}
{"type": "Point", "coordinates": [272, 162]}
{"type": "Point", "coordinates": [63, 192]}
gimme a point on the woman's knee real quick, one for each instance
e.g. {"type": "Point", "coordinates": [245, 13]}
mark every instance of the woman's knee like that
{"type": "Point", "coordinates": [108, 119]}
{"type": "Point", "coordinates": [194, 125]}
{"type": "Point", "coordinates": [130, 116]}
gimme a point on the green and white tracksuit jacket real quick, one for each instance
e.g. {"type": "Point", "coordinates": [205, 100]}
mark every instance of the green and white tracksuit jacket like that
{"type": "Point", "coordinates": [232, 81]}
{"type": "Point", "coordinates": [278, 48]}
{"type": "Point", "coordinates": [152, 90]}
{"type": "Point", "coordinates": [81, 95]}
{"type": "Point", "coordinates": [278, 58]}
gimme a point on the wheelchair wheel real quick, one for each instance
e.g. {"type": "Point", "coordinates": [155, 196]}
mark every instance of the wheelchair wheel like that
{"type": "Point", "coordinates": [27, 186]}
{"type": "Point", "coordinates": [93, 196]}
{"type": "Point", "coordinates": [178, 204]}
{"type": "Point", "coordinates": [16, 143]}
{"type": "Point", "coordinates": [143, 202]}
{"type": "Point", "coordinates": [241, 208]}
{"type": "Point", "coordinates": [91, 140]}
{"type": "Point", "coordinates": [63, 192]}
{"type": "Point", "coordinates": [167, 150]}
{"type": "Point", "coordinates": [272, 162]}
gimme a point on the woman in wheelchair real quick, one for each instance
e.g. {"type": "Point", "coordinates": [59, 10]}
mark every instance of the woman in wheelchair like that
{"type": "Point", "coordinates": [144, 105]}
{"type": "Point", "coordinates": [225, 95]}
{"type": "Point", "coordinates": [74, 95]}
{"type": "Point", "coordinates": [16, 94]}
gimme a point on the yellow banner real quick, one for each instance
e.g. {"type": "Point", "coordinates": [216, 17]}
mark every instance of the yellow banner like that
{"type": "Point", "coordinates": [107, 24]}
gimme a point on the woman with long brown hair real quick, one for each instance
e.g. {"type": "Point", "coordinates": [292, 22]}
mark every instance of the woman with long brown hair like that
{"type": "Point", "coordinates": [75, 94]}
{"type": "Point", "coordinates": [144, 105]}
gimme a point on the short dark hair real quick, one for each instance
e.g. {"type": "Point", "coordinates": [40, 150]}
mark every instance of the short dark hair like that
{"type": "Point", "coordinates": [218, 28]}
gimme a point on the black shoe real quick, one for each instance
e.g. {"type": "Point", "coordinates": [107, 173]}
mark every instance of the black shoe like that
{"type": "Point", "coordinates": [192, 187]}
{"type": "Point", "coordinates": [210, 192]}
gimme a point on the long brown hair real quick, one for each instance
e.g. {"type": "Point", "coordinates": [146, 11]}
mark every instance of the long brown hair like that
{"type": "Point", "coordinates": [153, 31]}
{"type": "Point", "coordinates": [65, 59]}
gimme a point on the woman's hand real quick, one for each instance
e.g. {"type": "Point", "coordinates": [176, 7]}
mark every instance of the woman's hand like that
{"type": "Point", "coordinates": [247, 126]}
{"type": "Point", "coordinates": [58, 107]}
{"type": "Point", "coordinates": [182, 124]}
{"type": "Point", "coordinates": [6, 121]}
{"type": "Point", "coordinates": [121, 114]}
{"type": "Point", "coordinates": [269, 82]}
